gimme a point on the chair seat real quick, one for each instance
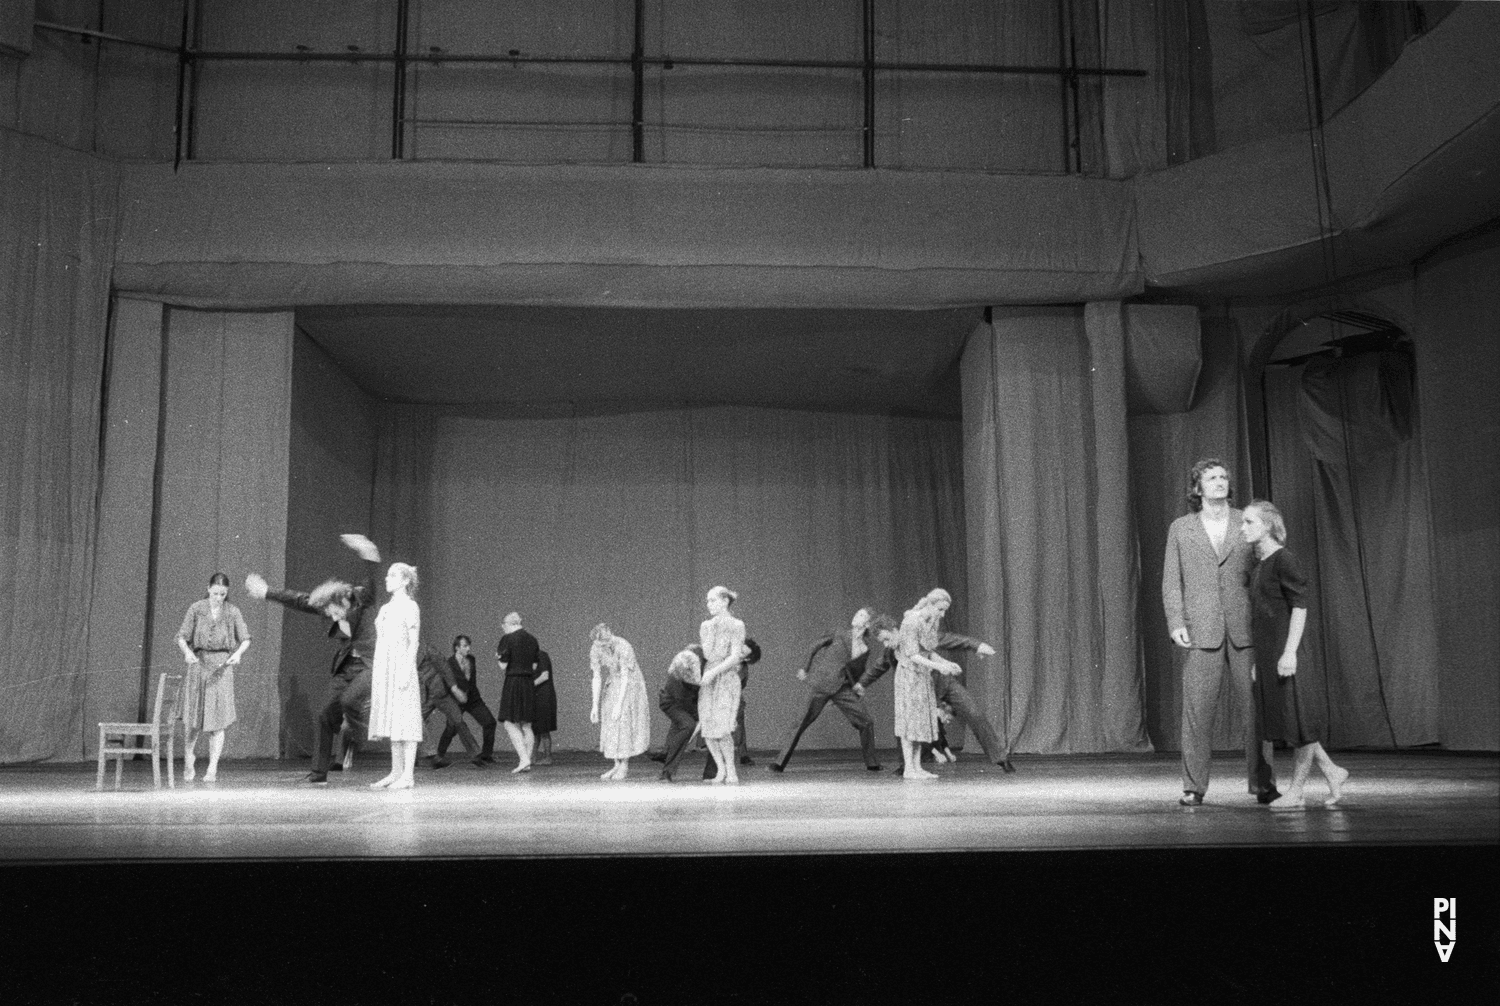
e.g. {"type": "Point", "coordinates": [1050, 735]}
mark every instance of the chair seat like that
{"type": "Point", "coordinates": [161, 731]}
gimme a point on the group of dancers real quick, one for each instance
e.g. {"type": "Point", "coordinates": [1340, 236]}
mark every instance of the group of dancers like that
{"type": "Point", "coordinates": [1235, 600]}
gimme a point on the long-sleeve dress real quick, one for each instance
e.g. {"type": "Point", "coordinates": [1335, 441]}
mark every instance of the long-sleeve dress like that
{"type": "Point", "coordinates": [395, 694]}
{"type": "Point", "coordinates": [624, 707]}
{"type": "Point", "coordinates": [719, 700]}
{"type": "Point", "coordinates": [208, 691]}
{"type": "Point", "coordinates": [1277, 585]}
{"type": "Point", "coordinates": [916, 702]}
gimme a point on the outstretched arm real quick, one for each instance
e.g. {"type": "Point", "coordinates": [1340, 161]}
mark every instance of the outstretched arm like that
{"type": "Point", "coordinates": [953, 641]}
{"type": "Point", "coordinates": [818, 647]}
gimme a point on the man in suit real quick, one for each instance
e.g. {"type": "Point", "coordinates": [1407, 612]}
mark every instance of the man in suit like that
{"type": "Point", "coordinates": [350, 611]}
{"type": "Point", "coordinates": [832, 672]}
{"type": "Point", "coordinates": [464, 686]}
{"type": "Point", "coordinates": [951, 693]}
{"type": "Point", "coordinates": [440, 691]}
{"type": "Point", "coordinates": [678, 698]}
{"type": "Point", "coordinates": [1203, 590]}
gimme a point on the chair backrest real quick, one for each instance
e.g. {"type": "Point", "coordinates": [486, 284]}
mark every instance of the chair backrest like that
{"type": "Point", "coordinates": [168, 696]}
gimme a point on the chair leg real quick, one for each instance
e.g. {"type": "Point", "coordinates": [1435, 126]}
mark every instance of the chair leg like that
{"type": "Point", "coordinates": [99, 782]}
{"type": "Point", "coordinates": [119, 768]}
{"type": "Point", "coordinates": [155, 762]}
{"type": "Point", "coordinates": [171, 759]}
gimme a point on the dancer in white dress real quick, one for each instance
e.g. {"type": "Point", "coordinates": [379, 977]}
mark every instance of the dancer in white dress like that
{"type": "Point", "coordinates": [395, 693]}
{"type": "Point", "coordinates": [624, 716]}
{"type": "Point", "coordinates": [722, 637]}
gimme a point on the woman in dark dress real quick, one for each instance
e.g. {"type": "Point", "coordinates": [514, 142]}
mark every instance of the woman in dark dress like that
{"type": "Point", "coordinates": [1278, 615]}
{"type": "Point", "coordinates": [546, 709]}
{"type": "Point", "coordinates": [517, 655]}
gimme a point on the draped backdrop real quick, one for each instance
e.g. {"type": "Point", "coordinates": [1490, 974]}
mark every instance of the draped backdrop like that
{"type": "Point", "coordinates": [58, 217]}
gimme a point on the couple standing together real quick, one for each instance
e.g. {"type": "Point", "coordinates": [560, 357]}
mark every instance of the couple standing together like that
{"type": "Point", "coordinates": [1236, 601]}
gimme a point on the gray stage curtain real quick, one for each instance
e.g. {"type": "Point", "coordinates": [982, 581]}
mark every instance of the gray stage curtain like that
{"type": "Point", "coordinates": [222, 498]}
{"type": "Point", "coordinates": [1162, 450]}
{"type": "Point", "coordinates": [57, 231]}
{"type": "Point", "coordinates": [1458, 369]}
{"type": "Point", "coordinates": [629, 518]}
{"type": "Point", "coordinates": [1347, 474]}
{"type": "Point", "coordinates": [1050, 540]}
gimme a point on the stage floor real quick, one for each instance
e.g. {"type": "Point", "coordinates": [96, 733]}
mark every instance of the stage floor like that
{"type": "Point", "coordinates": [826, 803]}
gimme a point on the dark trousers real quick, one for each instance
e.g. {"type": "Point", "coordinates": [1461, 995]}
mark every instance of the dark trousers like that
{"type": "Point", "coordinates": [678, 735]}
{"type": "Point", "coordinates": [476, 708]}
{"type": "Point", "coordinates": [853, 708]}
{"type": "Point", "coordinates": [957, 697]}
{"type": "Point", "coordinates": [1203, 675]}
{"type": "Point", "coordinates": [349, 702]}
{"type": "Point", "coordinates": [454, 714]}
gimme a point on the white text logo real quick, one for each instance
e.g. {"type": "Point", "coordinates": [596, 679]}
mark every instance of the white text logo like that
{"type": "Point", "coordinates": [1442, 930]}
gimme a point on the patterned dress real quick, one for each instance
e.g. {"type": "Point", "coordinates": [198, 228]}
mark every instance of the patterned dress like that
{"type": "Point", "coordinates": [624, 708]}
{"type": "Point", "coordinates": [916, 702]}
{"type": "Point", "coordinates": [395, 694]}
{"type": "Point", "coordinates": [208, 691]}
{"type": "Point", "coordinates": [719, 700]}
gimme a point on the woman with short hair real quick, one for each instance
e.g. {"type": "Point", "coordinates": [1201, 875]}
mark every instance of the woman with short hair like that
{"type": "Point", "coordinates": [1278, 615]}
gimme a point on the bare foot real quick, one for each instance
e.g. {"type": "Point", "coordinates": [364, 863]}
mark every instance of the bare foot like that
{"type": "Point", "coordinates": [405, 782]}
{"type": "Point", "coordinates": [1336, 781]}
{"type": "Point", "coordinates": [1291, 800]}
{"type": "Point", "coordinates": [211, 775]}
{"type": "Point", "coordinates": [917, 774]}
{"type": "Point", "coordinates": [383, 783]}
{"type": "Point", "coordinates": [608, 775]}
{"type": "Point", "coordinates": [189, 773]}
{"type": "Point", "coordinates": [523, 767]}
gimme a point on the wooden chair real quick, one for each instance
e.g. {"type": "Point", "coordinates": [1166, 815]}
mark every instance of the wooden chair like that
{"type": "Point", "coordinates": [161, 729]}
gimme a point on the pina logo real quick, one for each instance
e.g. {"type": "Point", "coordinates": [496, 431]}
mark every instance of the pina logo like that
{"type": "Point", "coordinates": [1444, 930]}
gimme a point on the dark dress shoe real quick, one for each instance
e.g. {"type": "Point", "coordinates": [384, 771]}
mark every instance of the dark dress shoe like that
{"type": "Point", "coordinates": [874, 768]}
{"type": "Point", "coordinates": [659, 756]}
{"type": "Point", "coordinates": [441, 762]}
{"type": "Point", "coordinates": [665, 777]}
{"type": "Point", "coordinates": [747, 760]}
{"type": "Point", "coordinates": [773, 767]}
{"type": "Point", "coordinates": [1007, 767]}
{"type": "Point", "coordinates": [1267, 795]}
{"type": "Point", "coordinates": [336, 767]}
{"type": "Point", "coordinates": [317, 778]}
{"type": "Point", "coordinates": [1191, 799]}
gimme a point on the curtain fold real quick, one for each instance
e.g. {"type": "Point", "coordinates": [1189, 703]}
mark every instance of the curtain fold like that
{"type": "Point", "coordinates": [1346, 472]}
{"type": "Point", "coordinates": [58, 218]}
{"type": "Point", "coordinates": [1050, 555]}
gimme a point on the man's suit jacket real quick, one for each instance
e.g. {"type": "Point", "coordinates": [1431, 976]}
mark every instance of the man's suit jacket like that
{"type": "Point", "coordinates": [462, 676]}
{"type": "Point", "coordinates": [1203, 591]}
{"type": "Point", "coordinates": [832, 664]}
{"type": "Point", "coordinates": [356, 651]}
{"type": "Point", "coordinates": [676, 693]}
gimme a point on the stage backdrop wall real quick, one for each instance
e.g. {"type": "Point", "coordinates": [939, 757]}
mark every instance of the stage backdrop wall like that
{"type": "Point", "coordinates": [628, 519]}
